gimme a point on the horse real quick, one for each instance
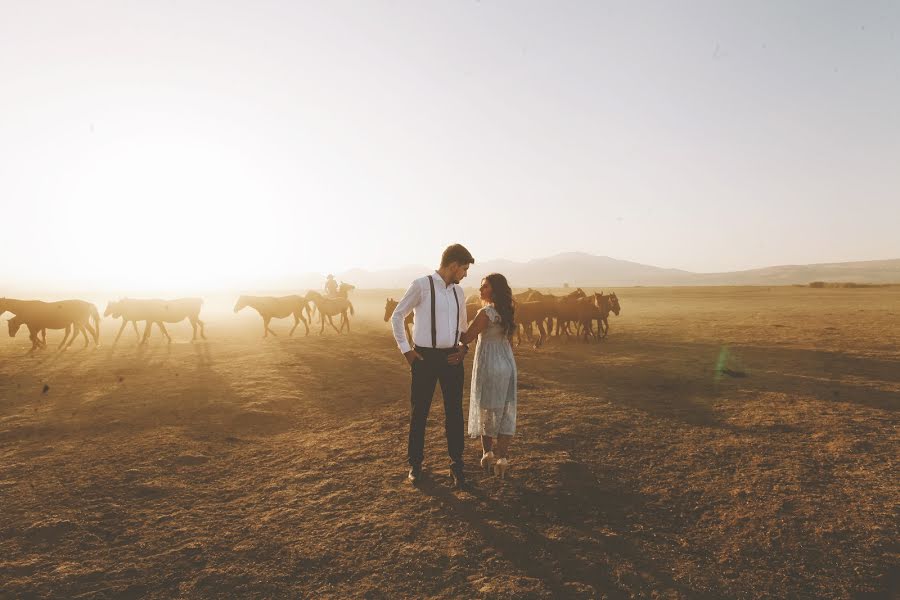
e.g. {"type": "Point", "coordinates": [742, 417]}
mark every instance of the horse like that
{"type": "Point", "coordinates": [329, 307]}
{"type": "Point", "coordinates": [472, 309]}
{"type": "Point", "coordinates": [535, 311]}
{"type": "Point", "coordinates": [568, 309]}
{"type": "Point", "coordinates": [389, 307]}
{"type": "Point", "coordinates": [33, 331]}
{"type": "Point", "coordinates": [606, 304]}
{"type": "Point", "coordinates": [113, 310]}
{"type": "Point", "coordinates": [160, 312]}
{"type": "Point", "coordinates": [40, 316]}
{"type": "Point", "coordinates": [270, 307]}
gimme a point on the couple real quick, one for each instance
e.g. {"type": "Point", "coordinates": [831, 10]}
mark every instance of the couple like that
{"type": "Point", "coordinates": [441, 335]}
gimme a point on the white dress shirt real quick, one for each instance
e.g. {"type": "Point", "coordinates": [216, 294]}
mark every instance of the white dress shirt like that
{"type": "Point", "coordinates": [418, 300]}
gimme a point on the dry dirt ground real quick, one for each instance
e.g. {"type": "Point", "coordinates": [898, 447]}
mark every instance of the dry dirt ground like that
{"type": "Point", "coordinates": [720, 443]}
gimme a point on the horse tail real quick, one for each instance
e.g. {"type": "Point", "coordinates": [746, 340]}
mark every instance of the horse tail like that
{"type": "Point", "coordinates": [350, 304]}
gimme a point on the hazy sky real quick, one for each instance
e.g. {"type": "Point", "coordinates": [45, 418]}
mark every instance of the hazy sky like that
{"type": "Point", "coordinates": [195, 143]}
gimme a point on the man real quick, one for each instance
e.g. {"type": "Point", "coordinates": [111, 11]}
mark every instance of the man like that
{"type": "Point", "coordinates": [331, 286]}
{"type": "Point", "coordinates": [440, 317]}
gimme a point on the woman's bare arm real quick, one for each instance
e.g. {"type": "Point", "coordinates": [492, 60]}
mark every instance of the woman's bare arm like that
{"type": "Point", "coordinates": [478, 324]}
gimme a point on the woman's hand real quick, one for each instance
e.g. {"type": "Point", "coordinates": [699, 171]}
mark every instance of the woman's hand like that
{"type": "Point", "coordinates": [457, 357]}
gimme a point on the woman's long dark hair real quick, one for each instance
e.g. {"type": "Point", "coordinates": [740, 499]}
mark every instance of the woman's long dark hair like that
{"type": "Point", "coordinates": [503, 301]}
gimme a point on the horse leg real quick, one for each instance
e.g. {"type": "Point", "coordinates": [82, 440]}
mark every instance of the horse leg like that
{"type": "Point", "coordinates": [35, 341]}
{"type": "Point", "coordinates": [202, 328]}
{"type": "Point", "coordinates": [76, 329]}
{"type": "Point", "coordinates": [75, 332]}
{"type": "Point", "coordinates": [540, 341]}
{"type": "Point", "coordinates": [267, 329]}
{"type": "Point", "coordinates": [147, 326]}
{"type": "Point", "coordinates": [296, 322]}
{"type": "Point", "coordinates": [65, 337]}
{"type": "Point", "coordinates": [121, 329]}
{"type": "Point", "coordinates": [529, 331]}
{"type": "Point", "coordinates": [162, 327]}
{"type": "Point", "coordinates": [347, 318]}
{"type": "Point", "coordinates": [331, 322]}
{"type": "Point", "coordinates": [193, 321]}
{"type": "Point", "coordinates": [136, 332]}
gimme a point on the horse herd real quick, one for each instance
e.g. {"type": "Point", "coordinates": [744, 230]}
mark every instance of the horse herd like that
{"type": "Point", "coordinates": [78, 317]}
{"type": "Point", "coordinates": [578, 310]}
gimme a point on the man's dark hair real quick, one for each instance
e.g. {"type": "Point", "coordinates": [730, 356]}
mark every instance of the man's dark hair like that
{"type": "Point", "coordinates": [456, 253]}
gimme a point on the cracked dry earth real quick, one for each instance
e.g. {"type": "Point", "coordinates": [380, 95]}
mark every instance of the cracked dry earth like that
{"type": "Point", "coordinates": [727, 442]}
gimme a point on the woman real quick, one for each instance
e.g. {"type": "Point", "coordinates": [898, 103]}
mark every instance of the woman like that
{"type": "Point", "coordinates": [492, 402]}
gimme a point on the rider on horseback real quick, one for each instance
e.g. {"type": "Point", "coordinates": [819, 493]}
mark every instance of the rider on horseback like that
{"type": "Point", "coordinates": [331, 287]}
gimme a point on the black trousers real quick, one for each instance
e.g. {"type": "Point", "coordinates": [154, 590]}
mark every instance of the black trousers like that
{"type": "Point", "coordinates": [425, 374]}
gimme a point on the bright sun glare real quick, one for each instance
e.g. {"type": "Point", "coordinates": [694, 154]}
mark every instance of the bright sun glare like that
{"type": "Point", "coordinates": [171, 213]}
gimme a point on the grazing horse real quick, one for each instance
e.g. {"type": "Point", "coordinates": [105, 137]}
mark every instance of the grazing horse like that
{"type": "Point", "coordinates": [389, 307]}
{"type": "Point", "coordinates": [33, 332]}
{"type": "Point", "coordinates": [270, 307]}
{"type": "Point", "coordinates": [329, 307]}
{"type": "Point", "coordinates": [160, 312]}
{"type": "Point", "coordinates": [40, 316]}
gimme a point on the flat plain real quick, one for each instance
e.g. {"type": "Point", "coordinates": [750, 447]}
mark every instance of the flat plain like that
{"type": "Point", "coordinates": [720, 442]}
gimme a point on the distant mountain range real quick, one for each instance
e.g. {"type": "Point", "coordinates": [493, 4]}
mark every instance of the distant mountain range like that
{"type": "Point", "coordinates": [588, 270]}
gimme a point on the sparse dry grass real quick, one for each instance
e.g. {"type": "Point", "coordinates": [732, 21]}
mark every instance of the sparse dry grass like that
{"type": "Point", "coordinates": [644, 467]}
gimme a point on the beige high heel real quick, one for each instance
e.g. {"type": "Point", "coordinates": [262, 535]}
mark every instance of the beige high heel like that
{"type": "Point", "coordinates": [500, 467]}
{"type": "Point", "coordinates": [487, 461]}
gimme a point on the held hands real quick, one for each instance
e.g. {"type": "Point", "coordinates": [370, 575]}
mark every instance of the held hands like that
{"type": "Point", "coordinates": [457, 357]}
{"type": "Point", "coordinates": [454, 358]}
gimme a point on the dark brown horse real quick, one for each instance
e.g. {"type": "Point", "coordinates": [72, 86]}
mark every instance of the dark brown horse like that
{"type": "Point", "coordinates": [606, 303]}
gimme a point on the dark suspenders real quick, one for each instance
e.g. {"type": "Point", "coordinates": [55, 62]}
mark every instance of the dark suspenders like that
{"type": "Point", "coordinates": [434, 319]}
{"type": "Point", "coordinates": [456, 335]}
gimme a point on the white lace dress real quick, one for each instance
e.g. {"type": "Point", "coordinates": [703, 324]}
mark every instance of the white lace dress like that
{"type": "Point", "coordinates": [492, 402]}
